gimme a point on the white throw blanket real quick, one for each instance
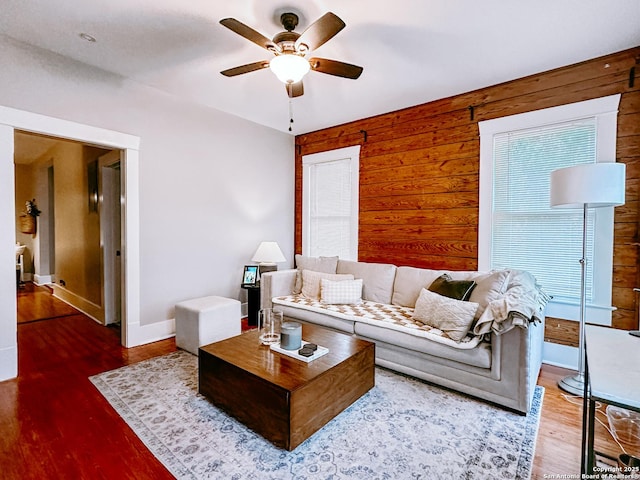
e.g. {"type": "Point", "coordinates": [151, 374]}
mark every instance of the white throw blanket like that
{"type": "Point", "coordinates": [523, 302]}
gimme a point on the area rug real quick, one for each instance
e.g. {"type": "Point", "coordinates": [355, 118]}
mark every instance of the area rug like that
{"type": "Point", "coordinates": [401, 429]}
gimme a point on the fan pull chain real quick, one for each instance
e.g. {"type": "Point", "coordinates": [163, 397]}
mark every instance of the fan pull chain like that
{"type": "Point", "coordinates": [290, 114]}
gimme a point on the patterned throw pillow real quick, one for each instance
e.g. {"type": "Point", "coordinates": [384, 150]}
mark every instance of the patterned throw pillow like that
{"type": "Point", "coordinates": [345, 292]}
{"type": "Point", "coordinates": [458, 289]}
{"type": "Point", "coordinates": [311, 282]}
{"type": "Point", "coordinates": [317, 264]}
{"type": "Point", "coordinates": [451, 316]}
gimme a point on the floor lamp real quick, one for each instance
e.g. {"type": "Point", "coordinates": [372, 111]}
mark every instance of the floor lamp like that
{"type": "Point", "coordinates": [586, 186]}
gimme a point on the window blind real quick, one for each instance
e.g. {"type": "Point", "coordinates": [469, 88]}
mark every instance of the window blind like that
{"type": "Point", "coordinates": [330, 209]}
{"type": "Point", "coordinates": [527, 233]}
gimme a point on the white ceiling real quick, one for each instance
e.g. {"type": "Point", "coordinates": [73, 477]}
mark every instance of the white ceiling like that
{"type": "Point", "coordinates": [412, 51]}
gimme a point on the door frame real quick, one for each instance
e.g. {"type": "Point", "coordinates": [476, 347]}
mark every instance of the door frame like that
{"type": "Point", "coordinates": [110, 208]}
{"type": "Point", "coordinates": [12, 119]}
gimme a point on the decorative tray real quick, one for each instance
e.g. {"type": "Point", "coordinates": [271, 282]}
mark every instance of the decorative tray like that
{"type": "Point", "coordinates": [294, 353]}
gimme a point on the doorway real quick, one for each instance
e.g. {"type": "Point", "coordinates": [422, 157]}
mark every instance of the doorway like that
{"type": "Point", "coordinates": [65, 178]}
{"type": "Point", "coordinates": [12, 119]}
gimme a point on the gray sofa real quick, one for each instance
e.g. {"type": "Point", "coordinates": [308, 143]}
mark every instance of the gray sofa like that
{"type": "Point", "coordinates": [498, 360]}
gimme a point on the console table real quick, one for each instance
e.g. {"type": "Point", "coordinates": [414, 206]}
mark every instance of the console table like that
{"type": "Point", "coordinates": [612, 376]}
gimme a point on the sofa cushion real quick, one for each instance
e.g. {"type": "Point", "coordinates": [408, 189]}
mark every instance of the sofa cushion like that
{"type": "Point", "coordinates": [405, 345]}
{"type": "Point", "coordinates": [453, 317]}
{"type": "Point", "coordinates": [377, 278]}
{"type": "Point", "coordinates": [446, 286]}
{"type": "Point", "coordinates": [317, 264]}
{"type": "Point", "coordinates": [390, 317]}
{"type": "Point", "coordinates": [311, 282]}
{"type": "Point", "coordinates": [489, 287]}
{"type": "Point", "coordinates": [347, 292]}
{"type": "Point", "coordinates": [409, 282]}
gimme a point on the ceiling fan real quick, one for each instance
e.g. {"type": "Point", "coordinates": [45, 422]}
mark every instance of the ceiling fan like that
{"type": "Point", "coordinates": [290, 49]}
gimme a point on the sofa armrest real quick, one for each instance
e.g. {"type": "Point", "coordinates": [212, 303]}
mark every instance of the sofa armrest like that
{"type": "Point", "coordinates": [276, 284]}
{"type": "Point", "coordinates": [516, 362]}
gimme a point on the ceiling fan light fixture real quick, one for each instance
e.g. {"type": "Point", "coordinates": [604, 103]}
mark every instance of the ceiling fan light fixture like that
{"type": "Point", "coordinates": [289, 68]}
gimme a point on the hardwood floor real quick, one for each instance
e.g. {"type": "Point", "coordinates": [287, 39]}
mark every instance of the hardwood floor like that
{"type": "Point", "coordinates": [558, 445]}
{"type": "Point", "coordinates": [54, 423]}
{"type": "Point", "coordinates": [36, 303]}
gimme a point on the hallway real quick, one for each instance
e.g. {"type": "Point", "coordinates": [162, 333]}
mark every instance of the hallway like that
{"type": "Point", "coordinates": [37, 303]}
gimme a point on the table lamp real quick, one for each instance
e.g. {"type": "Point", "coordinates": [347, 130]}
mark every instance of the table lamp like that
{"type": "Point", "coordinates": [268, 255]}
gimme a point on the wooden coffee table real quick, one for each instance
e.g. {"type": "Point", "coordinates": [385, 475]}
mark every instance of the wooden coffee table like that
{"type": "Point", "coordinates": [284, 399]}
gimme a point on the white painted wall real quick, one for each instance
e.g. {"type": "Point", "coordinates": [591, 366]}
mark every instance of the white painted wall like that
{"type": "Point", "coordinates": [212, 186]}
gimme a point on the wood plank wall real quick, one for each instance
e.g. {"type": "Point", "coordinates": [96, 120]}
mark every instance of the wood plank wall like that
{"type": "Point", "coordinates": [419, 171]}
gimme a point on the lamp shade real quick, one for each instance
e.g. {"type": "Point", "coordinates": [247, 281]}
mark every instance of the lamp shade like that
{"type": "Point", "coordinates": [289, 68]}
{"type": "Point", "coordinates": [269, 252]}
{"type": "Point", "coordinates": [592, 184]}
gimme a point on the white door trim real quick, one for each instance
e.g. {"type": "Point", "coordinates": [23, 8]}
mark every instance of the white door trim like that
{"type": "Point", "coordinates": [110, 207]}
{"type": "Point", "coordinates": [11, 119]}
{"type": "Point", "coordinates": [8, 320]}
{"type": "Point", "coordinates": [350, 154]}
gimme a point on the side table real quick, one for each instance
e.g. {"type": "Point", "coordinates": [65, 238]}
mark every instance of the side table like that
{"type": "Point", "coordinates": [253, 303]}
{"type": "Point", "coordinates": [612, 376]}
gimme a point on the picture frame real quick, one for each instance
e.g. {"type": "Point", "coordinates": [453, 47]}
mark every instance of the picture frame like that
{"type": "Point", "coordinates": [250, 275]}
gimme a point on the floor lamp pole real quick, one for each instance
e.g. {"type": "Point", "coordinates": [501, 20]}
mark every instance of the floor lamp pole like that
{"type": "Point", "coordinates": [575, 383]}
{"type": "Point", "coordinates": [587, 185]}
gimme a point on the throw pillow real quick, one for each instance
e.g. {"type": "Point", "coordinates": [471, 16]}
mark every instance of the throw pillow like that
{"type": "Point", "coordinates": [311, 282]}
{"type": "Point", "coordinates": [317, 264]}
{"type": "Point", "coordinates": [451, 316]}
{"type": "Point", "coordinates": [345, 292]}
{"type": "Point", "coordinates": [458, 289]}
{"type": "Point", "coordinates": [488, 288]}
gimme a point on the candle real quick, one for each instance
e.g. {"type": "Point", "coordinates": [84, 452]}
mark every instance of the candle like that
{"type": "Point", "coordinates": [291, 335]}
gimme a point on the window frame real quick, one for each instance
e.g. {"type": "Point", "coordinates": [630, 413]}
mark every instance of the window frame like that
{"type": "Point", "coordinates": [347, 153]}
{"type": "Point", "coordinates": [604, 110]}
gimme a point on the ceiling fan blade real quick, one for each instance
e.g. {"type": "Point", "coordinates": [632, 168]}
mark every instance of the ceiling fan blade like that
{"type": "Point", "coordinates": [334, 67]}
{"type": "Point", "coordinates": [295, 89]}
{"type": "Point", "coordinates": [320, 31]}
{"type": "Point", "coordinates": [249, 33]}
{"type": "Point", "coordinates": [250, 67]}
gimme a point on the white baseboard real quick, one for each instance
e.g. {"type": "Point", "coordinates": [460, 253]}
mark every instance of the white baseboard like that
{"type": "Point", "coordinates": [560, 355]}
{"type": "Point", "coordinates": [8, 363]}
{"type": "Point", "coordinates": [154, 332]}
{"type": "Point", "coordinates": [90, 309]}
{"type": "Point", "coordinates": [136, 334]}
{"type": "Point", "coordinates": [43, 279]}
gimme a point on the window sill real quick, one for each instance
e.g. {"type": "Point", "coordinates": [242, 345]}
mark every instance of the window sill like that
{"type": "Point", "coordinates": [569, 310]}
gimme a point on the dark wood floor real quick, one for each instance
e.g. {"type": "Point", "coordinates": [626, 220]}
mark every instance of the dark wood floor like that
{"type": "Point", "coordinates": [54, 424]}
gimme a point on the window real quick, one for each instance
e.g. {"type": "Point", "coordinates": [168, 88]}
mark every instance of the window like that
{"type": "Point", "coordinates": [330, 203]}
{"type": "Point", "coordinates": [518, 228]}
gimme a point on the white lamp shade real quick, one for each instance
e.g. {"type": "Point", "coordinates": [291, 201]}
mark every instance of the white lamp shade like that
{"type": "Point", "coordinates": [592, 184]}
{"type": "Point", "coordinates": [269, 252]}
{"type": "Point", "coordinates": [289, 68]}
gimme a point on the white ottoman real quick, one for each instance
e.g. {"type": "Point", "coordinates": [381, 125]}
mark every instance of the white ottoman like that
{"type": "Point", "coordinates": [205, 320]}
